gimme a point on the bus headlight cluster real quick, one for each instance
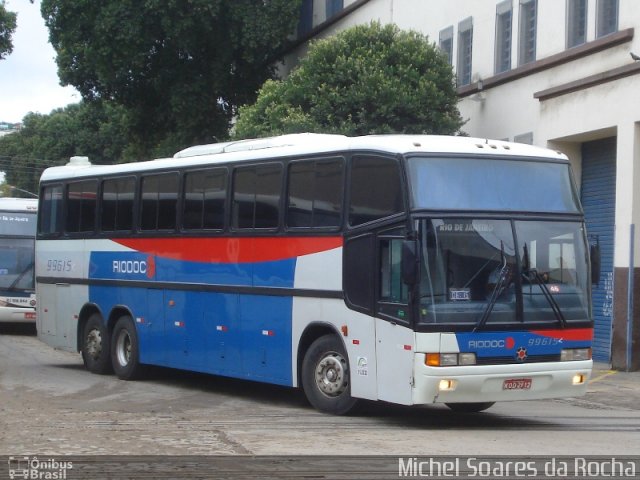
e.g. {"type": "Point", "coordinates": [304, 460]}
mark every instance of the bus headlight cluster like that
{"type": "Point", "coordinates": [575, 354]}
{"type": "Point", "coordinates": [449, 359]}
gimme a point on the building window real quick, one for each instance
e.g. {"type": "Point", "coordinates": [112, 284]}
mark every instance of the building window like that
{"type": "Point", "coordinates": [334, 7]}
{"type": "Point", "coordinates": [576, 22]}
{"type": "Point", "coordinates": [527, 34]}
{"type": "Point", "coordinates": [465, 43]}
{"type": "Point", "coordinates": [305, 24]}
{"type": "Point", "coordinates": [503, 36]}
{"type": "Point", "coordinates": [446, 43]}
{"type": "Point", "coordinates": [607, 21]}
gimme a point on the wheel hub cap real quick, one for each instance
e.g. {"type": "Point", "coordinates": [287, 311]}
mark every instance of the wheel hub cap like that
{"type": "Point", "coordinates": [331, 374]}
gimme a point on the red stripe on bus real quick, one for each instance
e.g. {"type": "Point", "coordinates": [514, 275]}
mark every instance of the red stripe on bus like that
{"type": "Point", "coordinates": [231, 250]}
{"type": "Point", "coordinates": [567, 334]}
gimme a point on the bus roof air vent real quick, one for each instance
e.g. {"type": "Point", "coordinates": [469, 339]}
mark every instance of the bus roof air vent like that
{"type": "Point", "coordinates": [79, 162]}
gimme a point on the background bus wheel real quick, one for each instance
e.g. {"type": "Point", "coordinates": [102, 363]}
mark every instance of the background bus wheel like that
{"type": "Point", "coordinates": [124, 350]}
{"type": "Point", "coordinates": [469, 407]}
{"type": "Point", "coordinates": [326, 378]}
{"type": "Point", "coordinates": [95, 346]}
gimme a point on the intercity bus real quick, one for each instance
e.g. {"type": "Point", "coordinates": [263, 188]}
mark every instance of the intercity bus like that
{"type": "Point", "coordinates": [17, 238]}
{"type": "Point", "coordinates": [408, 269]}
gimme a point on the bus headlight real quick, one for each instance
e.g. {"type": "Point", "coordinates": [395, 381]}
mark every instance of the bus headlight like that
{"type": "Point", "coordinates": [575, 354]}
{"type": "Point", "coordinates": [449, 359]}
{"type": "Point", "coordinates": [446, 385]}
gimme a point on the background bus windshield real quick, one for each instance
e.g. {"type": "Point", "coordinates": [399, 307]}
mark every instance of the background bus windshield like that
{"type": "Point", "coordinates": [17, 232]}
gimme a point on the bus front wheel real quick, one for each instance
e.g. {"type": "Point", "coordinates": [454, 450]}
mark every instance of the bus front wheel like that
{"type": "Point", "coordinates": [95, 346]}
{"type": "Point", "coordinates": [124, 349]}
{"type": "Point", "coordinates": [469, 407]}
{"type": "Point", "coordinates": [326, 378]}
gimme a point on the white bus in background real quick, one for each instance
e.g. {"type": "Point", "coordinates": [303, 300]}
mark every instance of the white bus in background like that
{"type": "Point", "coordinates": [17, 237]}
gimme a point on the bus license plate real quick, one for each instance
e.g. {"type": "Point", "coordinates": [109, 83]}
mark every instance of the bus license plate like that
{"type": "Point", "coordinates": [517, 384]}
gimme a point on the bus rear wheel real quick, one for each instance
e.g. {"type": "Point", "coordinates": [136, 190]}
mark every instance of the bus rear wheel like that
{"type": "Point", "coordinates": [326, 377]}
{"type": "Point", "coordinates": [469, 407]}
{"type": "Point", "coordinates": [125, 353]}
{"type": "Point", "coordinates": [95, 346]}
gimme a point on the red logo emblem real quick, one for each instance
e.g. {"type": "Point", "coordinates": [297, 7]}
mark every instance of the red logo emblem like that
{"type": "Point", "coordinates": [521, 354]}
{"type": "Point", "coordinates": [509, 343]}
{"type": "Point", "coordinates": [151, 266]}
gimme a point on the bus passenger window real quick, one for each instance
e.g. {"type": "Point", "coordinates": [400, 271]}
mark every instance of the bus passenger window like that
{"type": "Point", "coordinates": [256, 197]}
{"type": "Point", "coordinates": [159, 202]}
{"type": "Point", "coordinates": [117, 204]}
{"type": "Point", "coordinates": [376, 189]}
{"type": "Point", "coordinates": [205, 193]}
{"type": "Point", "coordinates": [50, 218]}
{"type": "Point", "coordinates": [81, 206]}
{"type": "Point", "coordinates": [315, 194]}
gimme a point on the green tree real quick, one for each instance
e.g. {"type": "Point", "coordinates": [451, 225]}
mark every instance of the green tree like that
{"type": "Point", "coordinates": [97, 130]}
{"type": "Point", "coordinates": [7, 27]}
{"type": "Point", "coordinates": [180, 68]}
{"type": "Point", "coordinates": [367, 79]}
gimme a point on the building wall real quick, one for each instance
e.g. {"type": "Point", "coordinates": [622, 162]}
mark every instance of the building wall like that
{"type": "Point", "coordinates": [597, 96]}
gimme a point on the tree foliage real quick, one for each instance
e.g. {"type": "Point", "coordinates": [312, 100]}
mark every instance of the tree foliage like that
{"type": "Point", "coordinates": [179, 67]}
{"type": "Point", "coordinates": [97, 130]}
{"type": "Point", "coordinates": [8, 25]}
{"type": "Point", "coordinates": [367, 79]}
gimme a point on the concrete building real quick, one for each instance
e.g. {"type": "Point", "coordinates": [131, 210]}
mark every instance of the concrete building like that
{"type": "Point", "coordinates": [554, 73]}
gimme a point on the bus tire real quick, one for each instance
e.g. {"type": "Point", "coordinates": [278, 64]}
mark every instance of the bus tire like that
{"type": "Point", "coordinates": [96, 354]}
{"type": "Point", "coordinates": [125, 353]}
{"type": "Point", "coordinates": [469, 407]}
{"type": "Point", "coordinates": [326, 377]}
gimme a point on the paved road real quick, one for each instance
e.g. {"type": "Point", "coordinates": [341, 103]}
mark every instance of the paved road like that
{"type": "Point", "coordinates": [50, 405]}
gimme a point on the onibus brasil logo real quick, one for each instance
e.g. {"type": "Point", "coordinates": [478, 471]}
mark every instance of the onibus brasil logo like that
{"type": "Point", "coordinates": [34, 468]}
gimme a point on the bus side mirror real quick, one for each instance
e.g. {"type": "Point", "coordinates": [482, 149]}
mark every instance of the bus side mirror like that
{"type": "Point", "coordinates": [410, 271]}
{"type": "Point", "coordinates": [595, 263]}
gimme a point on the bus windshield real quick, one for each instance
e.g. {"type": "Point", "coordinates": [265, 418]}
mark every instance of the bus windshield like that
{"type": "Point", "coordinates": [16, 264]}
{"type": "Point", "coordinates": [17, 232]}
{"type": "Point", "coordinates": [464, 183]}
{"type": "Point", "coordinates": [503, 272]}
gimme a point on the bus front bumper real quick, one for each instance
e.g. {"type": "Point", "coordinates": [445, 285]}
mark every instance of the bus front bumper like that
{"type": "Point", "coordinates": [498, 383]}
{"type": "Point", "coordinates": [17, 315]}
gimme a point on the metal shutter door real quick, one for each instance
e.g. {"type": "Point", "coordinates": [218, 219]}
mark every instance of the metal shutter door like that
{"type": "Point", "coordinates": [598, 195]}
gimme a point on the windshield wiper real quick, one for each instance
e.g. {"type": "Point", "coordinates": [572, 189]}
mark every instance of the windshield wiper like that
{"type": "Point", "coordinates": [547, 295]}
{"type": "Point", "coordinates": [12, 287]}
{"type": "Point", "coordinates": [503, 275]}
{"type": "Point", "coordinates": [527, 273]}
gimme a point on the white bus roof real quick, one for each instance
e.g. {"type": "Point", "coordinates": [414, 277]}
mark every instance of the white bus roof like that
{"type": "Point", "coordinates": [18, 204]}
{"type": "Point", "coordinates": [301, 144]}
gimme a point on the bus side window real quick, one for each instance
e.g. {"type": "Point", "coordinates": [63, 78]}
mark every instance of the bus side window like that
{"type": "Point", "coordinates": [315, 194]}
{"type": "Point", "coordinates": [81, 206]}
{"type": "Point", "coordinates": [159, 203]}
{"type": "Point", "coordinates": [256, 197]}
{"type": "Point", "coordinates": [204, 202]}
{"type": "Point", "coordinates": [50, 218]}
{"type": "Point", "coordinates": [392, 288]}
{"type": "Point", "coordinates": [376, 189]}
{"type": "Point", "coordinates": [117, 204]}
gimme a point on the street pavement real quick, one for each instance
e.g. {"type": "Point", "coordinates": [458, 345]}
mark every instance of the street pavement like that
{"type": "Point", "coordinates": [611, 388]}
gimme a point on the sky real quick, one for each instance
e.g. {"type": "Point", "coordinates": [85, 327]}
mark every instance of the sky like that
{"type": "Point", "coordinates": [28, 77]}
